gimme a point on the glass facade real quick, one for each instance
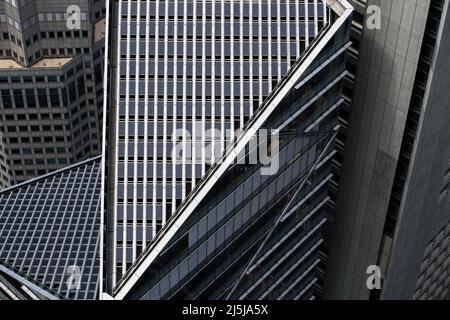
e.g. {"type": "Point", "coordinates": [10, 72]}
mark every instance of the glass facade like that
{"type": "Point", "coordinates": [256, 236]}
{"type": "Point", "coordinates": [189, 74]}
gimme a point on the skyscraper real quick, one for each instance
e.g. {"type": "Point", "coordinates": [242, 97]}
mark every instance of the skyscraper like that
{"type": "Point", "coordinates": [251, 150]}
{"type": "Point", "coordinates": [50, 83]}
{"type": "Point", "coordinates": [194, 73]}
{"type": "Point", "coordinates": [208, 69]}
{"type": "Point", "coordinates": [392, 209]}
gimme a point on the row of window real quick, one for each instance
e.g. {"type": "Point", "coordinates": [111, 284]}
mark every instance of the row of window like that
{"type": "Point", "coordinates": [218, 18]}
{"type": "Point", "coordinates": [200, 77]}
{"type": "Point", "coordinates": [34, 116]}
{"type": "Point", "coordinates": [42, 99]}
{"type": "Point", "coordinates": [50, 150]}
{"type": "Point", "coordinates": [237, 38]}
{"type": "Point", "coordinates": [38, 139]}
{"type": "Point", "coordinates": [186, 118]}
{"type": "Point", "coordinates": [56, 35]}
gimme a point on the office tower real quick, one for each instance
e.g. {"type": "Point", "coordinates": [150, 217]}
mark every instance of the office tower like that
{"type": "Point", "coordinates": [50, 84]}
{"type": "Point", "coordinates": [246, 78]}
{"type": "Point", "coordinates": [392, 210]}
{"type": "Point", "coordinates": [50, 235]}
{"type": "Point", "coordinates": [352, 124]}
{"type": "Point", "coordinates": [253, 226]}
{"type": "Point", "coordinates": [420, 268]}
{"type": "Point", "coordinates": [193, 73]}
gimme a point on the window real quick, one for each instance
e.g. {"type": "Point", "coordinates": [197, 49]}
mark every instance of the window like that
{"type": "Point", "coordinates": [42, 97]}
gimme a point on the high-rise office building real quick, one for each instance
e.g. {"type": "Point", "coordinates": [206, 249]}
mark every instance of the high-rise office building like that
{"type": "Point", "coordinates": [392, 208]}
{"type": "Point", "coordinates": [51, 72]}
{"type": "Point", "coordinates": [288, 73]}
{"type": "Point", "coordinates": [188, 75]}
{"type": "Point", "coordinates": [419, 208]}
{"type": "Point", "coordinates": [206, 68]}
{"type": "Point", "coordinates": [252, 150]}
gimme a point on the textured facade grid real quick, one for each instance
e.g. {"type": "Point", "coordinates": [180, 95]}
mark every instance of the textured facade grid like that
{"type": "Point", "coordinates": [197, 71]}
{"type": "Point", "coordinates": [434, 280]}
{"type": "Point", "coordinates": [388, 60]}
{"type": "Point", "coordinates": [50, 231]}
{"type": "Point", "coordinates": [209, 253]}
{"type": "Point", "coordinates": [237, 215]}
{"type": "Point", "coordinates": [419, 250]}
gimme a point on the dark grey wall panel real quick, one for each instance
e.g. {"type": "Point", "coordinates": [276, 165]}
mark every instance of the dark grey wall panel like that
{"type": "Point", "coordinates": [388, 62]}
{"type": "Point", "coordinates": [425, 211]}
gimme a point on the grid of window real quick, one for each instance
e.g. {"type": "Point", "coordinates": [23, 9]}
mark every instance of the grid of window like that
{"type": "Point", "coordinates": [434, 279]}
{"type": "Point", "coordinates": [255, 236]}
{"type": "Point", "coordinates": [234, 219]}
{"type": "Point", "coordinates": [196, 69]}
{"type": "Point", "coordinates": [50, 231]}
{"type": "Point", "coordinates": [34, 31]}
{"type": "Point", "coordinates": [48, 121]}
{"type": "Point", "coordinates": [51, 103]}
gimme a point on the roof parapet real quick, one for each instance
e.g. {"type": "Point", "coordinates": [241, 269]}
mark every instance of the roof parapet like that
{"type": "Point", "coordinates": [339, 6]}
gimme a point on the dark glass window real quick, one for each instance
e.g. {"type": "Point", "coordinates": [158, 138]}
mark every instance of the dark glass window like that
{"type": "Point", "coordinates": [42, 97]}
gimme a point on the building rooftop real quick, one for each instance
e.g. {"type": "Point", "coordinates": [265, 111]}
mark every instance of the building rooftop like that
{"type": "Point", "coordinates": [51, 62]}
{"type": "Point", "coordinates": [10, 64]}
{"type": "Point", "coordinates": [43, 63]}
{"type": "Point", "coordinates": [50, 232]}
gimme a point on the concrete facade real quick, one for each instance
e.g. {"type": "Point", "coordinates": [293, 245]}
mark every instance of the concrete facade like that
{"type": "Point", "coordinates": [50, 84]}
{"type": "Point", "coordinates": [387, 67]}
{"type": "Point", "coordinates": [419, 265]}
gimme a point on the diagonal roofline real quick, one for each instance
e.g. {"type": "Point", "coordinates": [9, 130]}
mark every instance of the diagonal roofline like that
{"type": "Point", "coordinates": [343, 9]}
{"type": "Point", "coordinates": [13, 269]}
{"type": "Point", "coordinates": [339, 6]}
{"type": "Point", "coordinates": [30, 283]}
{"type": "Point", "coordinates": [51, 174]}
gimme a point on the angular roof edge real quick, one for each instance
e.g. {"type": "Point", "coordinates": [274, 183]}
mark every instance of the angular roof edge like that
{"type": "Point", "coordinates": [30, 283]}
{"type": "Point", "coordinates": [51, 174]}
{"type": "Point", "coordinates": [339, 6]}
